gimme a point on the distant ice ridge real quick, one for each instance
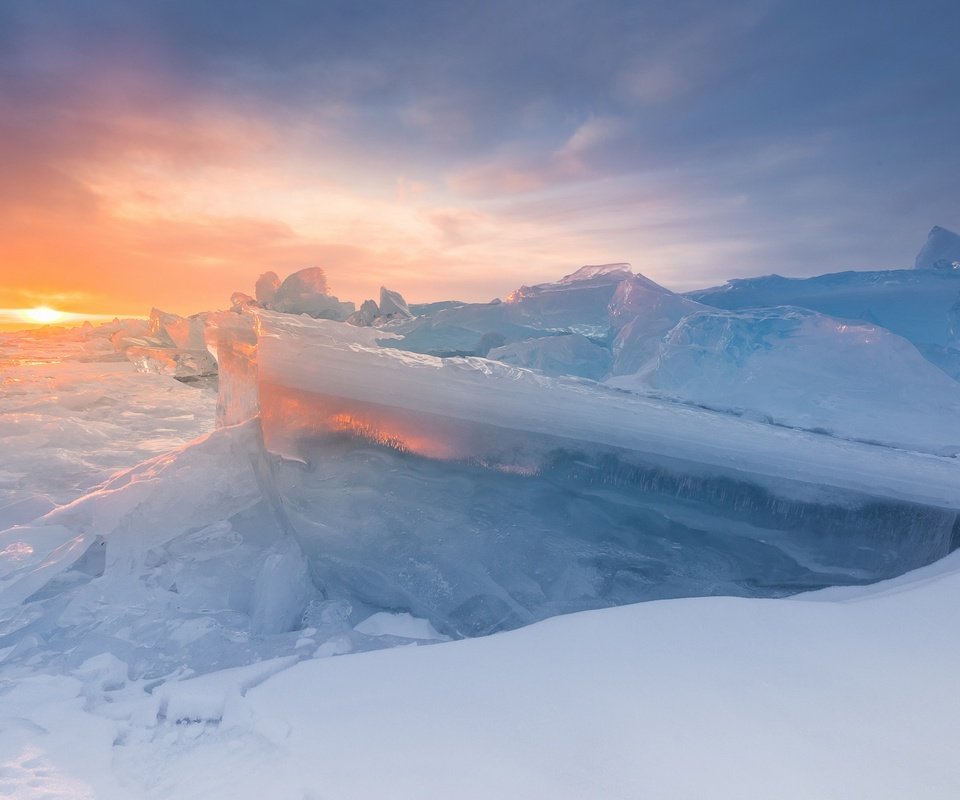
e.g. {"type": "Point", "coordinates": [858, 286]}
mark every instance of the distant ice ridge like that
{"type": "Point", "coordinates": [921, 305]}
{"type": "Point", "coordinates": [941, 250]}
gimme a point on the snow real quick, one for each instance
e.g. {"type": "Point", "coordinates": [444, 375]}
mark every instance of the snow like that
{"type": "Point", "coordinates": [843, 695]}
{"type": "Point", "coordinates": [402, 625]}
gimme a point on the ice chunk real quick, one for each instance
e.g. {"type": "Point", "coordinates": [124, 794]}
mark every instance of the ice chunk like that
{"type": "Point", "coordinates": [131, 332]}
{"type": "Point", "coordinates": [365, 315]}
{"type": "Point", "coordinates": [31, 557]}
{"type": "Point", "coordinates": [804, 369]}
{"type": "Point", "coordinates": [305, 292]}
{"type": "Point", "coordinates": [914, 304]}
{"type": "Point", "coordinates": [232, 340]}
{"type": "Point", "coordinates": [581, 298]}
{"type": "Point", "coordinates": [185, 333]}
{"type": "Point", "coordinates": [240, 299]}
{"type": "Point", "coordinates": [940, 251]}
{"type": "Point", "coordinates": [173, 361]}
{"type": "Point", "coordinates": [953, 326]}
{"type": "Point", "coordinates": [23, 510]}
{"type": "Point", "coordinates": [577, 303]}
{"type": "Point", "coordinates": [642, 312]}
{"type": "Point", "coordinates": [567, 354]}
{"type": "Point", "coordinates": [281, 591]}
{"type": "Point", "coordinates": [470, 329]}
{"type": "Point", "coordinates": [266, 288]}
{"type": "Point", "coordinates": [392, 304]}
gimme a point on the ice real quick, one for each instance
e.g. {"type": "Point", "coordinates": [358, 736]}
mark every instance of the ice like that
{"type": "Point", "coordinates": [807, 370]}
{"type": "Point", "coordinates": [393, 310]}
{"type": "Point", "coordinates": [133, 332]}
{"type": "Point", "coordinates": [232, 340]}
{"type": "Point", "coordinates": [581, 298]}
{"type": "Point", "coordinates": [940, 251]}
{"type": "Point", "coordinates": [184, 333]}
{"type": "Point", "coordinates": [469, 329]}
{"type": "Point", "coordinates": [23, 510]}
{"type": "Point", "coordinates": [642, 312]}
{"type": "Point", "coordinates": [914, 304]}
{"type": "Point", "coordinates": [393, 305]}
{"type": "Point", "coordinates": [281, 591]}
{"type": "Point", "coordinates": [305, 292]}
{"type": "Point", "coordinates": [450, 441]}
{"type": "Point", "coordinates": [172, 361]}
{"type": "Point", "coordinates": [350, 479]}
{"type": "Point", "coordinates": [73, 412]}
{"type": "Point", "coordinates": [565, 354]}
{"type": "Point", "coordinates": [365, 315]}
{"type": "Point", "coordinates": [578, 303]}
{"type": "Point", "coordinates": [266, 288]}
{"type": "Point", "coordinates": [194, 624]}
{"type": "Point", "coordinates": [167, 344]}
{"type": "Point", "coordinates": [159, 574]}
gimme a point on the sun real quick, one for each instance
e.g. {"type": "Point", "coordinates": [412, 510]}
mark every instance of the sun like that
{"type": "Point", "coordinates": [44, 315]}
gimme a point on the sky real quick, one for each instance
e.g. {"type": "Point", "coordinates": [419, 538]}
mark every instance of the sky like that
{"type": "Point", "coordinates": [166, 153]}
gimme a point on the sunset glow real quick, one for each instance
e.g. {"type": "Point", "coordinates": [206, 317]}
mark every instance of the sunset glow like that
{"type": "Point", "coordinates": [167, 154]}
{"type": "Point", "coordinates": [44, 315]}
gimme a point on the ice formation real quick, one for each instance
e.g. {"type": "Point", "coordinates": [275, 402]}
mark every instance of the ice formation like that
{"type": "Point", "coordinates": [914, 304]}
{"type": "Point", "coordinates": [305, 292]}
{"type": "Point", "coordinates": [940, 251]}
{"type": "Point", "coordinates": [266, 288]}
{"type": "Point", "coordinates": [452, 470]}
{"type": "Point", "coordinates": [799, 368]}
{"type": "Point", "coordinates": [564, 354]}
{"type": "Point", "coordinates": [393, 305]}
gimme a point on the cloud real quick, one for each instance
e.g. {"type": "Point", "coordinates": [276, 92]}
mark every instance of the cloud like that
{"type": "Point", "coordinates": [650, 84]}
{"type": "Point", "coordinates": [521, 170]}
{"type": "Point", "coordinates": [170, 152]}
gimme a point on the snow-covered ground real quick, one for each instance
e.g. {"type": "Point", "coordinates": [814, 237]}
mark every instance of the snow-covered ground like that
{"type": "Point", "coordinates": [292, 605]}
{"type": "Point", "coordinates": [844, 693]}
